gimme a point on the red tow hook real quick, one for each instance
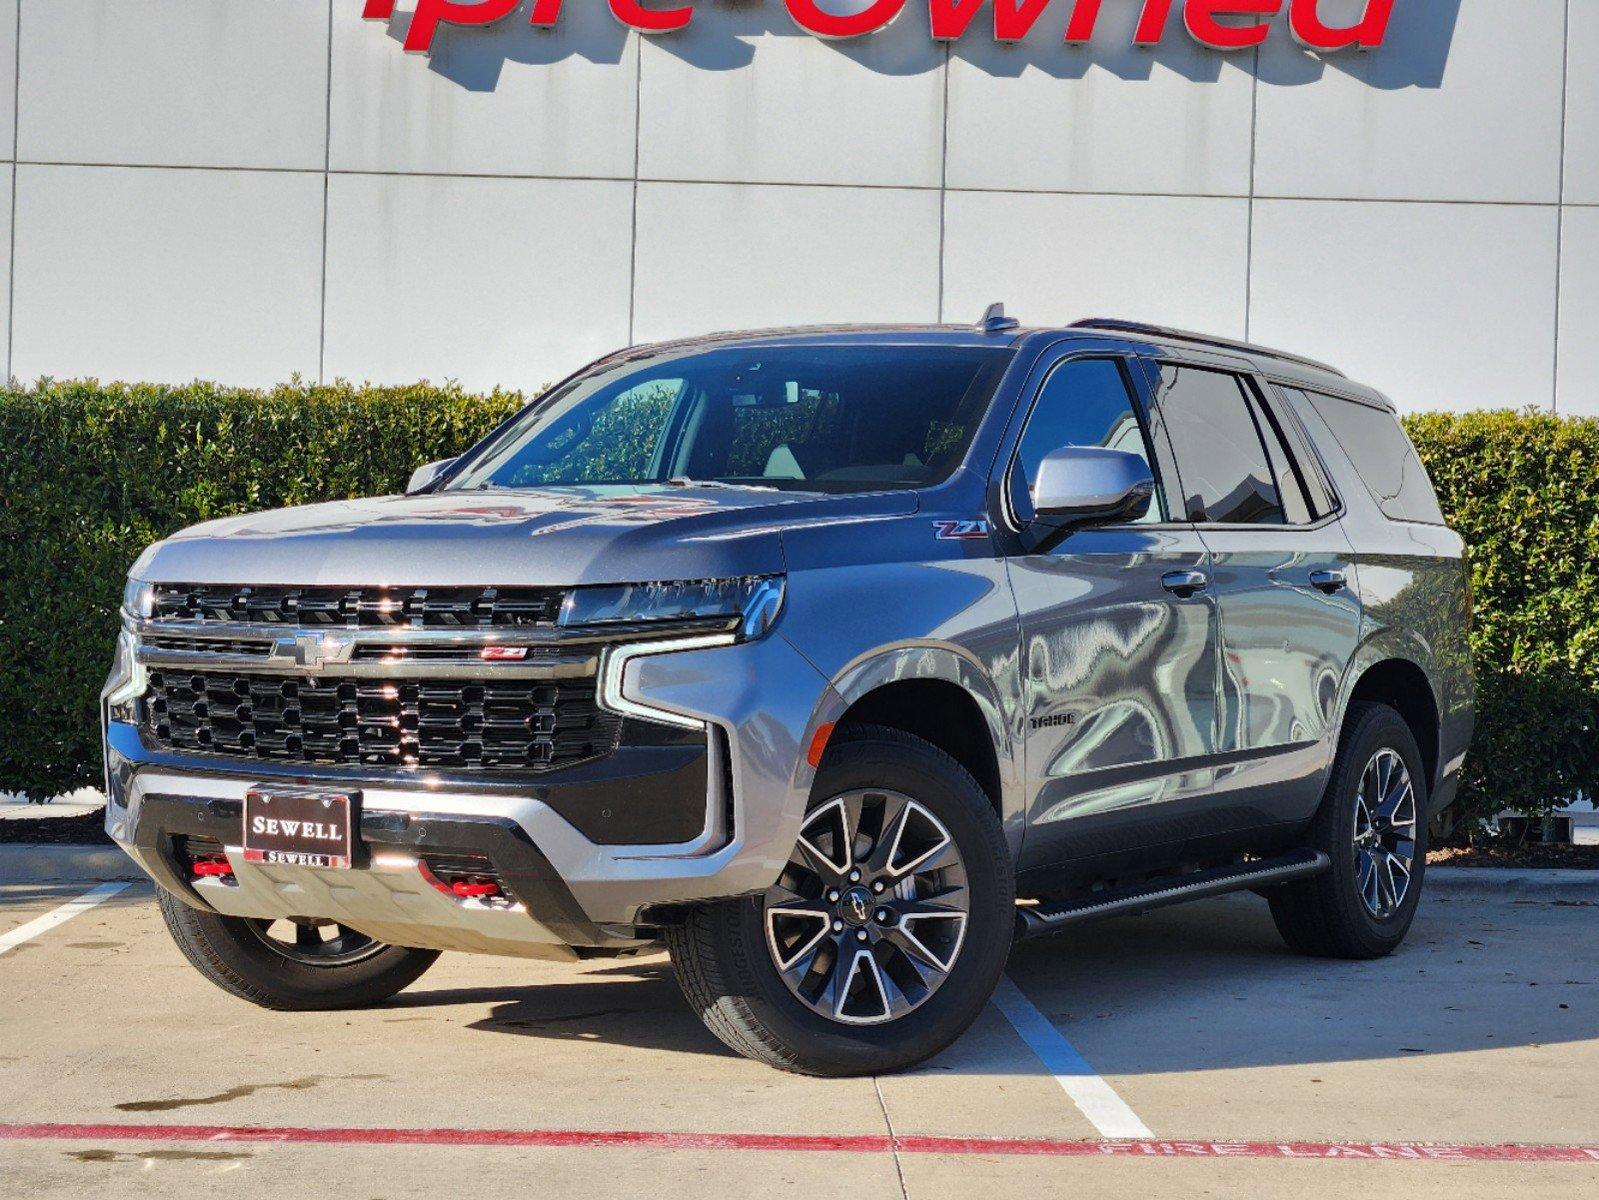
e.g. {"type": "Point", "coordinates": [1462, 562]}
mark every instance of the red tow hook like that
{"type": "Point", "coordinates": [211, 866]}
{"type": "Point", "coordinates": [469, 891]}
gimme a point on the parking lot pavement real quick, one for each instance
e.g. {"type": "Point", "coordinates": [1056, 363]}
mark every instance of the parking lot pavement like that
{"type": "Point", "coordinates": [1485, 1027]}
{"type": "Point", "coordinates": [1483, 1030]}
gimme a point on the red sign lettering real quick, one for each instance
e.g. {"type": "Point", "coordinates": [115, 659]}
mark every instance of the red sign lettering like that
{"type": "Point", "coordinates": [811, 18]}
{"type": "Point", "coordinates": [1152, 25]}
{"type": "Point", "coordinates": [429, 14]}
{"type": "Point", "coordinates": [1200, 17]}
{"type": "Point", "coordinates": [1212, 23]}
{"type": "Point", "coordinates": [1304, 18]}
{"type": "Point", "coordinates": [1013, 19]}
{"type": "Point", "coordinates": [651, 20]}
{"type": "Point", "coordinates": [545, 13]}
{"type": "Point", "coordinates": [1085, 14]}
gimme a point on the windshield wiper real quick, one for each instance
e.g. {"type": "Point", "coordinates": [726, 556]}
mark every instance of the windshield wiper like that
{"type": "Point", "coordinates": [683, 481]}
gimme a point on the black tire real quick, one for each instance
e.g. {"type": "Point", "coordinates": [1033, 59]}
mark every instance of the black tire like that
{"type": "Point", "coordinates": [228, 952]}
{"type": "Point", "coordinates": [727, 973]}
{"type": "Point", "coordinates": [1325, 915]}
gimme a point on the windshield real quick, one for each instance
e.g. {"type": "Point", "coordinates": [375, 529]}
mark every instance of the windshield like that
{"type": "Point", "coordinates": [829, 418]}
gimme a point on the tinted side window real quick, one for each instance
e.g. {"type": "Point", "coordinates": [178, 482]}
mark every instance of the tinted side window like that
{"type": "Point", "coordinates": [1227, 477]}
{"type": "Point", "coordinates": [1383, 457]}
{"type": "Point", "coordinates": [1312, 475]}
{"type": "Point", "coordinates": [1297, 508]}
{"type": "Point", "coordinates": [1084, 402]}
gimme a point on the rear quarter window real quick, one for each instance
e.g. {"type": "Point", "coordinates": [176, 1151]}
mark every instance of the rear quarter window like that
{"type": "Point", "coordinates": [1382, 456]}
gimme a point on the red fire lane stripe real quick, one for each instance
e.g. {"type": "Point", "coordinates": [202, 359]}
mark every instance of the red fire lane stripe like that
{"type": "Point", "coordinates": [847, 1144]}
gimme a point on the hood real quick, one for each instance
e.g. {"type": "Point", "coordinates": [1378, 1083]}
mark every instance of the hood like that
{"type": "Point", "coordinates": [500, 537]}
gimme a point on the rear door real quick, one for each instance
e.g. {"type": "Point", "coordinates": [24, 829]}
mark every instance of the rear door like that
{"type": "Point", "coordinates": [1118, 639]}
{"type": "Point", "coordinates": [1282, 580]}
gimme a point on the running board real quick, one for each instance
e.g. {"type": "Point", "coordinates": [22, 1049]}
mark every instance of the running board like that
{"type": "Point", "coordinates": [1035, 920]}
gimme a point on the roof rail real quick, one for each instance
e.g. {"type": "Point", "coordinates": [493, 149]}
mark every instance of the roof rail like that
{"type": "Point", "coordinates": [1113, 325]}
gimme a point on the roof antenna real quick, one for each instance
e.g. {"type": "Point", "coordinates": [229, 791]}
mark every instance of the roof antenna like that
{"type": "Point", "coordinates": [995, 321]}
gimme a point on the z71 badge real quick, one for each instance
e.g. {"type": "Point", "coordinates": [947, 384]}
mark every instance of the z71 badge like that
{"type": "Point", "coordinates": [960, 531]}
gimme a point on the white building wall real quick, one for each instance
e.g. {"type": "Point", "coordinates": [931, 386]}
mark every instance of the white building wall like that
{"type": "Point", "coordinates": [244, 190]}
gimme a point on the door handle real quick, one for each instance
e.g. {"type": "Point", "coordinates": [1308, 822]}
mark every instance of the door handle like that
{"type": "Point", "coordinates": [1328, 581]}
{"type": "Point", "coordinates": [1184, 583]}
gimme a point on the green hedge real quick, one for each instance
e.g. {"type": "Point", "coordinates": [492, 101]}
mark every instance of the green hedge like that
{"type": "Point", "coordinates": [91, 474]}
{"type": "Point", "coordinates": [1523, 490]}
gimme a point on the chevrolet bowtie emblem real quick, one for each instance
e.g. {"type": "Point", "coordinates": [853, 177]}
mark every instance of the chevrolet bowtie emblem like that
{"type": "Point", "coordinates": [314, 649]}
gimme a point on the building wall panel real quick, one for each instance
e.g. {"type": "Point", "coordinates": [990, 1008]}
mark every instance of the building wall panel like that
{"type": "Point", "coordinates": [167, 275]}
{"type": "Point", "coordinates": [1057, 258]}
{"type": "Point", "coordinates": [1463, 103]}
{"type": "Point", "coordinates": [1441, 306]}
{"type": "Point", "coordinates": [713, 256]}
{"type": "Point", "coordinates": [743, 95]}
{"type": "Point", "coordinates": [508, 282]}
{"type": "Point", "coordinates": [523, 199]}
{"type": "Point", "coordinates": [211, 83]}
{"type": "Point", "coordinates": [1579, 314]}
{"type": "Point", "coordinates": [503, 100]}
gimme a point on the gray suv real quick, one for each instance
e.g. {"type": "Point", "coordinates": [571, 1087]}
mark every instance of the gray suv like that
{"type": "Point", "coordinates": [836, 659]}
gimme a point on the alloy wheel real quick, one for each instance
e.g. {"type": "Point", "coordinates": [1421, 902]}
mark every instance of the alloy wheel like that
{"type": "Point", "coordinates": [1384, 834]}
{"type": "Point", "coordinates": [314, 943]}
{"type": "Point", "coordinates": [869, 916]}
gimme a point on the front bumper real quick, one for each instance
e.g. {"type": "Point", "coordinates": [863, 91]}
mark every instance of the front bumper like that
{"type": "Point", "coordinates": [761, 702]}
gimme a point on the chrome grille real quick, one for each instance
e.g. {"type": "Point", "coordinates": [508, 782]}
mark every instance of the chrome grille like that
{"type": "Point", "coordinates": [253, 647]}
{"type": "Point", "coordinates": [324, 607]}
{"type": "Point", "coordinates": [474, 724]}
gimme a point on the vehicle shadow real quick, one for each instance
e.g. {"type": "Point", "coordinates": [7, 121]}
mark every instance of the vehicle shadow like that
{"type": "Point", "coordinates": [636, 1004]}
{"type": "Point", "coordinates": [1208, 986]}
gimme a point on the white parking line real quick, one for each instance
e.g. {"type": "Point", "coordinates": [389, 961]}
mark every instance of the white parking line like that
{"type": "Point", "coordinates": [56, 916]}
{"type": "Point", "coordinates": [1097, 1100]}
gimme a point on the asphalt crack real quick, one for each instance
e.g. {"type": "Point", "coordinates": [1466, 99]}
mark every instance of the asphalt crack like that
{"type": "Point", "coordinates": [893, 1140]}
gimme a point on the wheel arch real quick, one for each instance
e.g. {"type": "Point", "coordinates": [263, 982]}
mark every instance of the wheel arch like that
{"type": "Point", "coordinates": [1404, 685]}
{"type": "Point", "coordinates": [941, 696]}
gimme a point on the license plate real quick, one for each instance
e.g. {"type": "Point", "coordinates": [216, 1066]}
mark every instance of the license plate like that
{"type": "Point", "coordinates": [297, 829]}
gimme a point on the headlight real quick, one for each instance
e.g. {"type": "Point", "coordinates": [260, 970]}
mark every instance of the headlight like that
{"type": "Point", "coordinates": [138, 598]}
{"type": "Point", "coordinates": [748, 604]}
{"type": "Point", "coordinates": [129, 680]}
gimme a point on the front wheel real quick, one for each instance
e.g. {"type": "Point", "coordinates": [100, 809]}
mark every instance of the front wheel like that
{"type": "Point", "coordinates": [1372, 824]}
{"type": "Point", "coordinates": [299, 966]}
{"type": "Point", "coordinates": [884, 936]}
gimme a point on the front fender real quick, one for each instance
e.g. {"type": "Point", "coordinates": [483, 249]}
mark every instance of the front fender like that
{"type": "Point", "coordinates": [768, 700]}
{"type": "Point", "coordinates": [952, 618]}
{"type": "Point", "coordinates": [958, 666]}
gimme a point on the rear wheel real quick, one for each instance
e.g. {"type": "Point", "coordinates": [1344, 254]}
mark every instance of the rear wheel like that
{"type": "Point", "coordinates": [884, 936]}
{"type": "Point", "coordinates": [1372, 825]}
{"type": "Point", "coordinates": [298, 965]}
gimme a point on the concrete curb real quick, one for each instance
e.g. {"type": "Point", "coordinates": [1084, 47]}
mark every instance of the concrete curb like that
{"type": "Point", "coordinates": [30, 862]}
{"type": "Point", "coordinates": [1513, 883]}
{"type": "Point", "coordinates": [60, 810]}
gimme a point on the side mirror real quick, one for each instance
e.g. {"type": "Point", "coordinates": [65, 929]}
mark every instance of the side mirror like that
{"type": "Point", "coordinates": [1090, 485]}
{"type": "Point", "coordinates": [425, 475]}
